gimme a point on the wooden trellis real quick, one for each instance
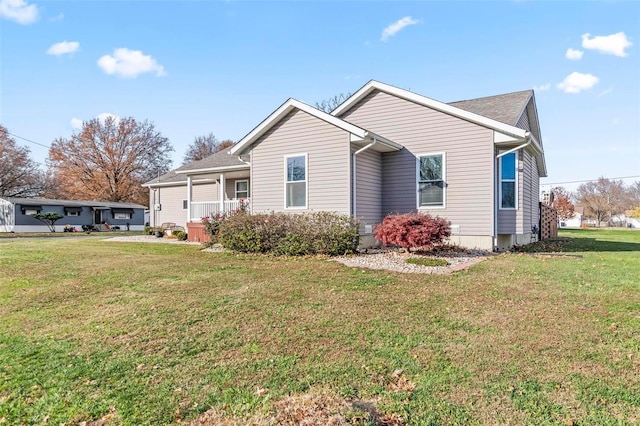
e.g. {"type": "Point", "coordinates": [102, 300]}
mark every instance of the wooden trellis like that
{"type": "Point", "coordinates": [548, 222]}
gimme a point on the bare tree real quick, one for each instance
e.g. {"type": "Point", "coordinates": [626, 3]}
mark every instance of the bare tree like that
{"type": "Point", "coordinates": [204, 146]}
{"type": "Point", "coordinates": [602, 198]}
{"type": "Point", "coordinates": [562, 203]}
{"type": "Point", "coordinates": [20, 176]}
{"type": "Point", "coordinates": [328, 105]}
{"type": "Point", "coordinates": [109, 159]}
{"type": "Point", "coordinates": [634, 195]}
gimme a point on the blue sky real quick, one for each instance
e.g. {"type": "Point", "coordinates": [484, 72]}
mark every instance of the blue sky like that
{"type": "Point", "coordinates": [194, 67]}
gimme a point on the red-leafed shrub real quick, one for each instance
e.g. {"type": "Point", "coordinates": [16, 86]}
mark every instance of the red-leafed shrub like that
{"type": "Point", "coordinates": [412, 231]}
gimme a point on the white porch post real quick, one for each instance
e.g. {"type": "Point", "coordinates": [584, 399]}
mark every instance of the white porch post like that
{"type": "Point", "coordinates": [189, 190]}
{"type": "Point", "coordinates": [222, 192]}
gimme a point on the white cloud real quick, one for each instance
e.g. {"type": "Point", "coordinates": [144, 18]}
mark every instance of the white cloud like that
{"type": "Point", "coordinates": [103, 117]}
{"type": "Point", "coordinates": [577, 82]}
{"type": "Point", "coordinates": [76, 123]}
{"type": "Point", "coordinates": [58, 17]}
{"type": "Point", "coordinates": [129, 63]}
{"type": "Point", "coordinates": [18, 11]}
{"type": "Point", "coordinates": [397, 26]}
{"type": "Point", "coordinates": [542, 88]}
{"type": "Point", "coordinates": [574, 54]}
{"type": "Point", "coordinates": [63, 47]}
{"type": "Point", "coordinates": [614, 44]}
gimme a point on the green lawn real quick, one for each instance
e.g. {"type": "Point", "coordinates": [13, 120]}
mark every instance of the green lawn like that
{"type": "Point", "coordinates": [160, 334]}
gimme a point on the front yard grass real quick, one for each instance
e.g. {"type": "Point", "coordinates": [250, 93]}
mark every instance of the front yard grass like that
{"type": "Point", "coordinates": [135, 333]}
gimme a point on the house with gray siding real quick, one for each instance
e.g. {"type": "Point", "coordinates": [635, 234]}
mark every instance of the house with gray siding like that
{"type": "Point", "coordinates": [16, 214]}
{"type": "Point", "coordinates": [385, 150]}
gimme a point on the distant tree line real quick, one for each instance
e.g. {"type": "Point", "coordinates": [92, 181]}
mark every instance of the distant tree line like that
{"type": "Point", "coordinates": [601, 200]}
{"type": "Point", "coordinates": [106, 160]}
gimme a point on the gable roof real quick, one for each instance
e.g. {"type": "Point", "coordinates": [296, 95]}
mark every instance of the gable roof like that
{"type": "Point", "coordinates": [506, 108]}
{"type": "Point", "coordinates": [293, 104]}
{"type": "Point", "coordinates": [71, 203]}
{"type": "Point", "coordinates": [515, 105]}
{"type": "Point", "coordinates": [373, 85]}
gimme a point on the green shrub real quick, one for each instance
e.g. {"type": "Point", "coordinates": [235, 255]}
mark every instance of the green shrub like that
{"type": "Point", "coordinates": [180, 235]}
{"type": "Point", "coordinates": [148, 230]}
{"type": "Point", "coordinates": [290, 234]}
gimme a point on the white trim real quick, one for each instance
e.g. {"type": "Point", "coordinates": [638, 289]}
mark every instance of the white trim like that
{"type": "Point", "coordinates": [211, 170]}
{"type": "Point", "coordinates": [515, 181]}
{"type": "Point", "coordinates": [236, 189]}
{"type": "Point", "coordinates": [428, 102]}
{"type": "Point", "coordinates": [292, 104]}
{"type": "Point", "coordinates": [444, 181]}
{"type": "Point", "coordinates": [178, 183]}
{"type": "Point", "coordinates": [306, 181]}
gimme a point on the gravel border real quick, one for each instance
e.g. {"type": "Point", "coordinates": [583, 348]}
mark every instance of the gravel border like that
{"type": "Point", "coordinates": [392, 260]}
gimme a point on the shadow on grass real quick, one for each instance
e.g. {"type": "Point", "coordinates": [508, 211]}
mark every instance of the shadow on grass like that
{"type": "Point", "coordinates": [580, 243]}
{"type": "Point", "coordinates": [594, 244]}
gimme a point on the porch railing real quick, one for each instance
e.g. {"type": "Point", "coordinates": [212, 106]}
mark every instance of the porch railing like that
{"type": "Point", "coordinates": [200, 209]}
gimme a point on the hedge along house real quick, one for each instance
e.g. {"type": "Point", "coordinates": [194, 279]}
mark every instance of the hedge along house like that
{"type": "Point", "coordinates": [387, 150]}
{"type": "Point", "coordinates": [16, 214]}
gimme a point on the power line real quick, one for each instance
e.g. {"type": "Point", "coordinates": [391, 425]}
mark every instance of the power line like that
{"type": "Point", "coordinates": [588, 180]}
{"type": "Point", "coordinates": [28, 140]}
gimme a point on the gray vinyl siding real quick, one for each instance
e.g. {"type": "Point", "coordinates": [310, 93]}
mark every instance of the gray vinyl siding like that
{"type": "Point", "coordinates": [510, 221]}
{"type": "Point", "coordinates": [230, 187]}
{"type": "Point", "coordinates": [530, 195]}
{"type": "Point", "coordinates": [203, 192]}
{"type": "Point", "coordinates": [523, 121]}
{"type": "Point", "coordinates": [368, 188]}
{"type": "Point", "coordinates": [170, 198]}
{"type": "Point", "coordinates": [469, 157]}
{"type": "Point", "coordinates": [328, 169]}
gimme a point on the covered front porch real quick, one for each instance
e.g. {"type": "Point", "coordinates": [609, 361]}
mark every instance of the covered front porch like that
{"type": "Point", "coordinates": [211, 194]}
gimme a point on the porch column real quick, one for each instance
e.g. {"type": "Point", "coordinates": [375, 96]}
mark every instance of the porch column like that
{"type": "Point", "coordinates": [222, 191]}
{"type": "Point", "coordinates": [189, 189]}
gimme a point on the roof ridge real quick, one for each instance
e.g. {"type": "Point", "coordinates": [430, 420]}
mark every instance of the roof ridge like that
{"type": "Point", "coordinates": [492, 96]}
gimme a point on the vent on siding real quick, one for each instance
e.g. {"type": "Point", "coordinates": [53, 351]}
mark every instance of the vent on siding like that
{"type": "Point", "coordinates": [368, 229]}
{"type": "Point", "coordinates": [455, 229]}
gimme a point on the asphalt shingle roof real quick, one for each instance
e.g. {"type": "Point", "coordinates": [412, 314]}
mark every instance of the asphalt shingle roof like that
{"type": "Point", "coordinates": [503, 108]}
{"type": "Point", "coordinates": [72, 203]}
{"type": "Point", "coordinates": [220, 159]}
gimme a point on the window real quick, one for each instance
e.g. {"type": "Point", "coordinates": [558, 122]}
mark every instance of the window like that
{"type": "Point", "coordinates": [29, 212]}
{"type": "Point", "coordinates": [431, 185]}
{"type": "Point", "coordinates": [296, 181]}
{"type": "Point", "coordinates": [73, 213]}
{"type": "Point", "coordinates": [508, 187]}
{"type": "Point", "coordinates": [242, 189]}
{"type": "Point", "coordinates": [121, 215]}
{"type": "Point", "coordinates": [184, 204]}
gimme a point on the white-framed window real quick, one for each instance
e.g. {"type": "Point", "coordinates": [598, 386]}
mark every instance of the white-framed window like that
{"type": "Point", "coordinates": [430, 171]}
{"type": "Point", "coordinates": [121, 215]}
{"type": "Point", "coordinates": [508, 188]}
{"type": "Point", "coordinates": [73, 213]}
{"type": "Point", "coordinates": [242, 189]}
{"type": "Point", "coordinates": [295, 181]}
{"type": "Point", "coordinates": [29, 212]}
{"type": "Point", "coordinates": [184, 205]}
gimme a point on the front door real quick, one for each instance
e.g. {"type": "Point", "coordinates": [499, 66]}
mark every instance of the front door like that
{"type": "Point", "coordinates": [97, 217]}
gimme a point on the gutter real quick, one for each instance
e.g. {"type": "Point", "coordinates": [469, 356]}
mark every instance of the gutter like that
{"type": "Point", "coordinates": [354, 173]}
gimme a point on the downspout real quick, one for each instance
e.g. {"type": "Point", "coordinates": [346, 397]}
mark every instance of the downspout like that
{"type": "Point", "coordinates": [364, 148]}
